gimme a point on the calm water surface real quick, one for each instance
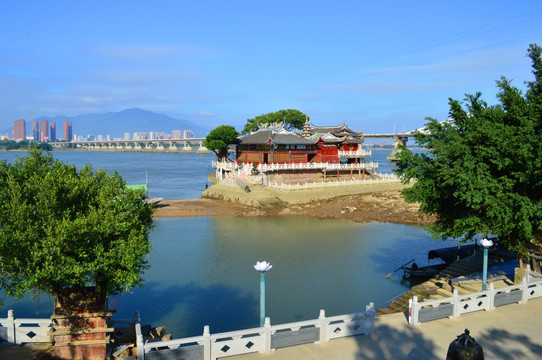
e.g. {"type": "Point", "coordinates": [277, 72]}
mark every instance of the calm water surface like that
{"type": "Point", "coordinates": [202, 268]}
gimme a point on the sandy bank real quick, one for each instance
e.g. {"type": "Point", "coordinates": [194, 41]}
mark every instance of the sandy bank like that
{"type": "Point", "coordinates": [377, 205]}
{"type": "Point", "coordinates": [199, 207]}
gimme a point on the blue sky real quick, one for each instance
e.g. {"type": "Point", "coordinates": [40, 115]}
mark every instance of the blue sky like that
{"type": "Point", "coordinates": [379, 66]}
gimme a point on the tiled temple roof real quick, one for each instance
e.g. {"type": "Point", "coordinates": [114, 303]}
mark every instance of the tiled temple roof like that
{"type": "Point", "coordinates": [276, 135]}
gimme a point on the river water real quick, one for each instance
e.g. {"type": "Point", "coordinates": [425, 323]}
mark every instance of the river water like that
{"type": "Point", "coordinates": [202, 268]}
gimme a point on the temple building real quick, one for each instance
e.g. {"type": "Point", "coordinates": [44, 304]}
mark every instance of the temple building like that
{"type": "Point", "coordinates": [316, 144]}
{"type": "Point", "coordinates": [317, 154]}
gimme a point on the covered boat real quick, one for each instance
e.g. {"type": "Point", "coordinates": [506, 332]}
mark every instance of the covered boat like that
{"type": "Point", "coordinates": [424, 271]}
{"type": "Point", "coordinates": [451, 254]}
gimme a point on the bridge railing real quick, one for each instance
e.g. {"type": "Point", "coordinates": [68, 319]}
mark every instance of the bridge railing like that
{"type": "Point", "coordinates": [263, 339]}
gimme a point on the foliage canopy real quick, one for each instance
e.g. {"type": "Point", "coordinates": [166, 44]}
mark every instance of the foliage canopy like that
{"type": "Point", "coordinates": [24, 144]}
{"type": "Point", "coordinates": [290, 119]}
{"type": "Point", "coordinates": [219, 138]}
{"type": "Point", "coordinates": [482, 173]}
{"type": "Point", "coordinates": [63, 230]}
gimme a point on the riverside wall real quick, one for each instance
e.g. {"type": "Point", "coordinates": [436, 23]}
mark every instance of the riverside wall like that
{"type": "Point", "coordinates": [264, 197]}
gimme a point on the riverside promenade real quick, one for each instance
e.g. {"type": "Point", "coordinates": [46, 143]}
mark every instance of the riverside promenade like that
{"type": "Point", "coordinates": [508, 332]}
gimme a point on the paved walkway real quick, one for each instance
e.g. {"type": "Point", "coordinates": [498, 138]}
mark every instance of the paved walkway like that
{"type": "Point", "coordinates": [508, 332]}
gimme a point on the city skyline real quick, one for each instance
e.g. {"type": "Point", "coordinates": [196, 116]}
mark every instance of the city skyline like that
{"type": "Point", "coordinates": [42, 129]}
{"type": "Point", "coordinates": [374, 65]}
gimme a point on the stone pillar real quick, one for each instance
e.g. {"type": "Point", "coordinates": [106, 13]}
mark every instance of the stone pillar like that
{"type": "Point", "coordinates": [80, 327]}
{"type": "Point", "coordinates": [398, 140]}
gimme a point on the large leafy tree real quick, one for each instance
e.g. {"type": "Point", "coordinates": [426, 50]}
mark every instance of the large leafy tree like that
{"type": "Point", "coordinates": [63, 230]}
{"type": "Point", "coordinates": [219, 139]}
{"type": "Point", "coordinates": [482, 173]}
{"type": "Point", "coordinates": [290, 119]}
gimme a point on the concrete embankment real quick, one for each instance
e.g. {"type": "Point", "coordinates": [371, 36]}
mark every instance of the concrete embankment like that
{"type": "Point", "coordinates": [262, 197]}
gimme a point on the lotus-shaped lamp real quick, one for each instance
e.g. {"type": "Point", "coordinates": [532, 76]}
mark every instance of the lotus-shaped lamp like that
{"type": "Point", "coordinates": [486, 243]}
{"type": "Point", "coordinates": [262, 266]}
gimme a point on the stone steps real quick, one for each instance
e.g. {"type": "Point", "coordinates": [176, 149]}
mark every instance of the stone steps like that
{"type": "Point", "coordinates": [442, 286]}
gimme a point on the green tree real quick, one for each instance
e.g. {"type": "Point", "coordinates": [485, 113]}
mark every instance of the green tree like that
{"type": "Point", "coordinates": [15, 145]}
{"type": "Point", "coordinates": [482, 173]}
{"type": "Point", "coordinates": [45, 146]}
{"type": "Point", "coordinates": [290, 119]}
{"type": "Point", "coordinates": [219, 139]}
{"type": "Point", "coordinates": [64, 231]}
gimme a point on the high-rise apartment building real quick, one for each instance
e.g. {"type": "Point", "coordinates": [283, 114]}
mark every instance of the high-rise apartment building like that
{"type": "Point", "coordinates": [36, 130]}
{"type": "Point", "coordinates": [188, 134]}
{"type": "Point", "coordinates": [52, 135]}
{"type": "Point", "coordinates": [68, 135]}
{"type": "Point", "coordinates": [126, 136]}
{"type": "Point", "coordinates": [176, 134]}
{"type": "Point", "coordinates": [44, 130]}
{"type": "Point", "coordinates": [19, 129]}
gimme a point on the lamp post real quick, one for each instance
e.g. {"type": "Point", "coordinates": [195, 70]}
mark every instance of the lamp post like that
{"type": "Point", "coordinates": [486, 244]}
{"type": "Point", "coordinates": [262, 267]}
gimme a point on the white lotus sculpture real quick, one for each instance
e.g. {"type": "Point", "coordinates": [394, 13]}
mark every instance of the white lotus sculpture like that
{"type": "Point", "coordinates": [486, 243]}
{"type": "Point", "coordinates": [262, 266]}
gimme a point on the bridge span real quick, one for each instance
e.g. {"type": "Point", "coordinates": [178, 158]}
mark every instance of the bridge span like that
{"type": "Point", "coordinates": [138, 145]}
{"type": "Point", "coordinates": [398, 138]}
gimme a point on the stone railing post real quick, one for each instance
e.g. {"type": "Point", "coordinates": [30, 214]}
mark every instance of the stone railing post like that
{"type": "Point", "coordinates": [207, 348]}
{"type": "Point", "coordinates": [323, 327]}
{"type": "Point", "coordinates": [491, 294]}
{"type": "Point", "coordinates": [11, 328]}
{"type": "Point", "coordinates": [413, 311]}
{"type": "Point", "coordinates": [370, 312]}
{"type": "Point", "coordinates": [139, 338]}
{"type": "Point", "coordinates": [455, 304]}
{"type": "Point", "coordinates": [267, 335]}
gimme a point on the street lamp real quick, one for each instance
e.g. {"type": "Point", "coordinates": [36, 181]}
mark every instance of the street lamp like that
{"type": "Point", "coordinates": [262, 267]}
{"type": "Point", "coordinates": [486, 244]}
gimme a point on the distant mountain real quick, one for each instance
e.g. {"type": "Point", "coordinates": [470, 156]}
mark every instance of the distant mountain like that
{"type": "Point", "coordinates": [125, 121]}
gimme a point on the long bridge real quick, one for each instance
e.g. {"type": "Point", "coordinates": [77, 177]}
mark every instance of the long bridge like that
{"type": "Point", "coordinates": [172, 145]}
{"type": "Point", "coordinates": [186, 144]}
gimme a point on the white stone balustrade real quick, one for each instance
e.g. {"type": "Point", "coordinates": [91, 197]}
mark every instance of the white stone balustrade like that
{"type": "Point", "coordinates": [456, 305]}
{"type": "Point", "coordinates": [360, 153]}
{"type": "Point", "coordinates": [247, 167]}
{"type": "Point", "coordinates": [263, 339]}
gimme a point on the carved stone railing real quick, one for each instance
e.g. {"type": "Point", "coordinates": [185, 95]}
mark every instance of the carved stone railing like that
{"type": "Point", "coordinates": [263, 339]}
{"type": "Point", "coordinates": [360, 153]}
{"type": "Point", "coordinates": [456, 305]}
{"type": "Point", "coordinates": [382, 179]}
{"type": "Point", "coordinates": [244, 167]}
{"type": "Point", "coordinates": [370, 166]}
{"type": "Point", "coordinates": [21, 331]}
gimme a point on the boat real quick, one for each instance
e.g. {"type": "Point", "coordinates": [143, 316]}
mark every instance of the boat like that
{"type": "Point", "coordinates": [423, 271]}
{"type": "Point", "coordinates": [153, 201]}
{"type": "Point", "coordinates": [447, 256]}
{"type": "Point", "coordinates": [451, 254]}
